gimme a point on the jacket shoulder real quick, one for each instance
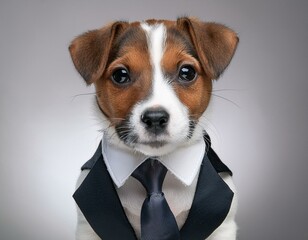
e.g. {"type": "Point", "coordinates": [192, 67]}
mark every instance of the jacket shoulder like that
{"type": "Point", "coordinates": [217, 163]}
{"type": "Point", "coordinates": [90, 163]}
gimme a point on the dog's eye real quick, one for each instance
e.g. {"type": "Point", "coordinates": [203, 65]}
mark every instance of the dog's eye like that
{"type": "Point", "coordinates": [121, 76]}
{"type": "Point", "coordinates": [187, 73]}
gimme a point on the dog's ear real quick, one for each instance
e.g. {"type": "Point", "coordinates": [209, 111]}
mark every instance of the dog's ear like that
{"type": "Point", "coordinates": [90, 51]}
{"type": "Point", "coordinates": [215, 44]}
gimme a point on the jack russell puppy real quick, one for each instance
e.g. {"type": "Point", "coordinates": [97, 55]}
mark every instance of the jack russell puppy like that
{"type": "Point", "coordinates": [153, 82]}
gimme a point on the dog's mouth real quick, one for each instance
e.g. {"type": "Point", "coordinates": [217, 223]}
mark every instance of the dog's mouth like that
{"type": "Point", "coordinates": [154, 144]}
{"type": "Point", "coordinates": [128, 134]}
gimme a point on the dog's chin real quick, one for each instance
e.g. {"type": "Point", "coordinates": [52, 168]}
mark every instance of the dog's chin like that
{"type": "Point", "coordinates": [162, 146]}
{"type": "Point", "coordinates": [155, 148]}
{"type": "Point", "coordinates": [152, 146]}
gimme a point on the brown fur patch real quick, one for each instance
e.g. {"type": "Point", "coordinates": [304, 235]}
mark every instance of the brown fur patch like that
{"type": "Point", "coordinates": [90, 50]}
{"type": "Point", "coordinates": [179, 51]}
{"type": "Point", "coordinates": [214, 43]}
{"type": "Point", "coordinates": [131, 52]}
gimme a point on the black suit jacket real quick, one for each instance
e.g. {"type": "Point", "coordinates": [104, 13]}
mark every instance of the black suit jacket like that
{"type": "Point", "coordinates": [98, 200]}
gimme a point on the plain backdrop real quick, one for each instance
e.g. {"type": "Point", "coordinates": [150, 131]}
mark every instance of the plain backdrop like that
{"type": "Point", "coordinates": [48, 128]}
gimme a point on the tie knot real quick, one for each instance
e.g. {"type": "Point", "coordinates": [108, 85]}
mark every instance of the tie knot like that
{"type": "Point", "coordinates": [151, 175]}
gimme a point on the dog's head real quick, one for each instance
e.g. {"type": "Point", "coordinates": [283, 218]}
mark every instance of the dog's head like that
{"type": "Point", "coordinates": [153, 79]}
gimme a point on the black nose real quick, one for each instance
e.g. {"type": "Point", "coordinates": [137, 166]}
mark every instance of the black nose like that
{"type": "Point", "coordinates": [155, 120]}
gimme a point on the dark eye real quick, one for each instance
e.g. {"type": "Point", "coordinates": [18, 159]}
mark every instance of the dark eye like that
{"type": "Point", "coordinates": [187, 73]}
{"type": "Point", "coordinates": [121, 76]}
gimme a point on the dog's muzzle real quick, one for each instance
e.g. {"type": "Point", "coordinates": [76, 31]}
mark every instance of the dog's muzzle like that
{"type": "Point", "coordinates": [155, 120]}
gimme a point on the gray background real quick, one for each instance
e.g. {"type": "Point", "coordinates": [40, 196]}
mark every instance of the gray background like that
{"type": "Point", "coordinates": [46, 133]}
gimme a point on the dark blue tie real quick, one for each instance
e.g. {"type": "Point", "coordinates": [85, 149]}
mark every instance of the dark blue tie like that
{"type": "Point", "coordinates": [157, 220]}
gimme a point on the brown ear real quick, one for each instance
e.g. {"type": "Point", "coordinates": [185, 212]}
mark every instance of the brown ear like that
{"type": "Point", "coordinates": [90, 50]}
{"type": "Point", "coordinates": [215, 44]}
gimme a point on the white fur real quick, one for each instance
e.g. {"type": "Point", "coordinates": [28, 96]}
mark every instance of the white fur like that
{"type": "Point", "coordinates": [163, 96]}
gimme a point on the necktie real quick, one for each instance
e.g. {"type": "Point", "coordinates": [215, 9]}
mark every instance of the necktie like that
{"type": "Point", "coordinates": [157, 220]}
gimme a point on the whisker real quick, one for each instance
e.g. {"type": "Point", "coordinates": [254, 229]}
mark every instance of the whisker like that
{"type": "Point", "coordinates": [112, 135]}
{"type": "Point", "coordinates": [85, 94]}
{"type": "Point", "coordinates": [123, 127]}
{"type": "Point", "coordinates": [82, 94]}
{"type": "Point", "coordinates": [210, 128]}
{"type": "Point", "coordinates": [228, 100]}
{"type": "Point", "coordinates": [103, 130]}
{"type": "Point", "coordinates": [115, 118]}
{"type": "Point", "coordinates": [227, 89]}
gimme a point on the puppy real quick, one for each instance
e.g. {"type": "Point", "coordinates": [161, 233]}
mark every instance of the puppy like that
{"type": "Point", "coordinates": [153, 82]}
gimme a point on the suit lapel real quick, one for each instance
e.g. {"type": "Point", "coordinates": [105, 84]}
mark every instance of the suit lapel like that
{"type": "Point", "coordinates": [100, 204]}
{"type": "Point", "coordinates": [211, 203]}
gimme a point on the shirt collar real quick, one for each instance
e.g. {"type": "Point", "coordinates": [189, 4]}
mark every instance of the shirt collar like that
{"type": "Point", "coordinates": [183, 163]}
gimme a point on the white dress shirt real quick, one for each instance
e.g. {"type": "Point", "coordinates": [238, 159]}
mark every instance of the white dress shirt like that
{"type": "Point", "coordinates": [179, 186]}
{"type": "Point", "coordinates": [184, 163]}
